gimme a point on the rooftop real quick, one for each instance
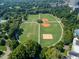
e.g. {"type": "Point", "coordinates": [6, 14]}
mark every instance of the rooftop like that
{"type": "Point", "coordinates": [75, 46]}
{"type": "Point", "coordinates": [3, 21]}
{"type": "Point", "coordinates": [76, 32]}
{"type": "Point", "coordinates": [77, 42]}
{"type": "Point", "coordinates": [74, 53]}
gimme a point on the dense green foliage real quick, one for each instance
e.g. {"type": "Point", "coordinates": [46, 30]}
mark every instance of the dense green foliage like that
{"type": "Point", "coordinates": [13, 44]}
{"type": "Point", "coordinates": [2, 42]}
{"type": "Point", "coordinates": [30, 50]}
{"type": "Point", "coordinates": [1, 52]}
{"type": "Point", "coordinates": [49, 53]}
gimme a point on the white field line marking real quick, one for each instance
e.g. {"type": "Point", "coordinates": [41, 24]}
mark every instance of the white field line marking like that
{"type": "Point", "coordinates": [32, 22]}
{"type": "Point", "coordinates": [39, 33]}
{"type": "Point", "coordinates": [48, 21]}
{"type": "Point", "coordinates": [61, 33]}
{"type": "Point", "coordinates": [39, 16]}
{"type": "Point", "coordinates": [39, 30]}
{"type": "Point", "coordinates": [54, 21]}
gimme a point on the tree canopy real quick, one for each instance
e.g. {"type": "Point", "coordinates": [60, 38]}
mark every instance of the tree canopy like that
{"type": "Point", "coordinates": [30, 50]}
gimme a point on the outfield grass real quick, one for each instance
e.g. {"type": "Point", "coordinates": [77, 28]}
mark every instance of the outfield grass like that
{"type": "Point", "coordinates": [36, 17]}
{"type": "Point", "coordinates": [48, 16]}
{"type": "Point", "coordinates": [31, 30]}
{"type": "Point", "coordinates": [33, 18]}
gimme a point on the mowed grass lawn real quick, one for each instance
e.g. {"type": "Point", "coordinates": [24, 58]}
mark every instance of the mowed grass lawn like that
{"type": "Point", "coordinates": [2, 48]}
{"type": "Point", "coordinates": [31, 30]}
{"type": "Point", "coordinates": [33, 18]}
{"type": "Point", "coordinates": [55, 30]}
{"type": "Point", "coordinates": [36, 17]}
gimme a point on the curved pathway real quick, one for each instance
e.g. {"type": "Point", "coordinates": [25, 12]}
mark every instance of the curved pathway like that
{"type": "Point", "coordinates": [6, 55]}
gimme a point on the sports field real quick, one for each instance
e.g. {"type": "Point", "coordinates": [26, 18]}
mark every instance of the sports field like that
{"type": "Point", "coordinates": [48, 33]}
{"type": "Point", "coordinates": [30, 31]}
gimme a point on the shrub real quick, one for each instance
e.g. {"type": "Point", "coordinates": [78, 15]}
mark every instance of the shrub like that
{"type": "Point", "coordinates": [2, 42]}
{"type": "Point", "coordinates": [1, 52]}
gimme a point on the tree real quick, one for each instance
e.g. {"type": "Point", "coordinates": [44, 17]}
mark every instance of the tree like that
{"type": "Point", "coordinates": [33, 48]}
{"type": "Point", "coordinates": [68, 37]}
{"type": "Point", "coordinates": [29, 50]}
{"type": "Point", "coordinates": [39, 21]}
{"type": "Point", "coordinates": [51, 53]}
{"type": "Point", "coordinates": [13, 27]}
{"type": "Point", "coordinates": [1, 52]}
{"type": "Point", "coordinates": [19, 53]}
{"type": "Point", "coordinates": [42, 55]}
{"type": "Point", "coordinates": [3, 42]}
{"type": "Point", "coordinates": [25, 17]}
{"type": "Point", "coordinates": [60, 46]}
{"type": "Point", "coordinates": [13, 44]}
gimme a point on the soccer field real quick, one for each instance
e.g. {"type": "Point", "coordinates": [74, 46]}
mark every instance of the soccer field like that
{"type": "Point", "coordinates": [47, 34]}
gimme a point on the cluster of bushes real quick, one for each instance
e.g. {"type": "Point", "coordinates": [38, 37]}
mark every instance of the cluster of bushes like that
{"type": "Point", "coordinates": [1, 52]}
{"type": "Point", "coordinates": [13, 44]}
{"type": "Point", "coordinates": [32, 50]}
{"type": "Point", "coordinates": [2, 42]}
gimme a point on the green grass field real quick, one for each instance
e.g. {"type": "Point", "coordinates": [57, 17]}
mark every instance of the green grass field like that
{"type": "Point", "coordinates": [55, 30]}
{"type": "Point", "coordinates": [2, 48]}
{"type": "Point", "coordinates": [34, 31]}
{"type": "Point", "coordinates": [30, 31]}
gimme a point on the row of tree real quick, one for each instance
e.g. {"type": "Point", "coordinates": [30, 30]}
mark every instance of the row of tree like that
{"type": "Point", "coordinates": [32, 50]}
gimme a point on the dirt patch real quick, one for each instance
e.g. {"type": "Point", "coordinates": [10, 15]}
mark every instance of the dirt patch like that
{"type": "Point", "coordinates": [44, 19]}
{"type": "Point", "coordinates": [45, 25]}
{"type": "Point", "coordinates": [45, 22]}
{"type": "Point", "coordinates": [47, 36]}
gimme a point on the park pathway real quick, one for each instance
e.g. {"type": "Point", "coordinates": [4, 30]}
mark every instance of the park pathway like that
{"type": "Point", "coordinates": [6, 55]}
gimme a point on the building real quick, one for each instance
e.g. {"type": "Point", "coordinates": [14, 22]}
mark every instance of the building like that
{"type": "Point", "coordinates": [74, 4]}
{"type": "Point", "coordinates": [74, 53]}
{"type": "Point", "coordinates": [2, 21]}
{"type": "Point", "coordinates": [76, 33]}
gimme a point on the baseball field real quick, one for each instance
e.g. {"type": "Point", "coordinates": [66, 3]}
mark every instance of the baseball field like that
{"type": "Point", "coordinates": [47, 33]}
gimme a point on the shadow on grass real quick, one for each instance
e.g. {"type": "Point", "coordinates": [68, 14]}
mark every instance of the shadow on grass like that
{"type": "Point", "coordinates": [20, 32]}
{"type": "Point", "coordinates": [17, 33]}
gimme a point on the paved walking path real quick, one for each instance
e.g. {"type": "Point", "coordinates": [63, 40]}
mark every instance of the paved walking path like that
{"type": "Point", "coordinates": [6, 55]}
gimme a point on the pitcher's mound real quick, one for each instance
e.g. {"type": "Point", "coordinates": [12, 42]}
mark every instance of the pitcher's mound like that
{"type": "Point", "coordinates": [44, 19]}
{"type": "Point", "coordinates": [47, 36]}
{"type": "Point", "coordinates": [45, 25]}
